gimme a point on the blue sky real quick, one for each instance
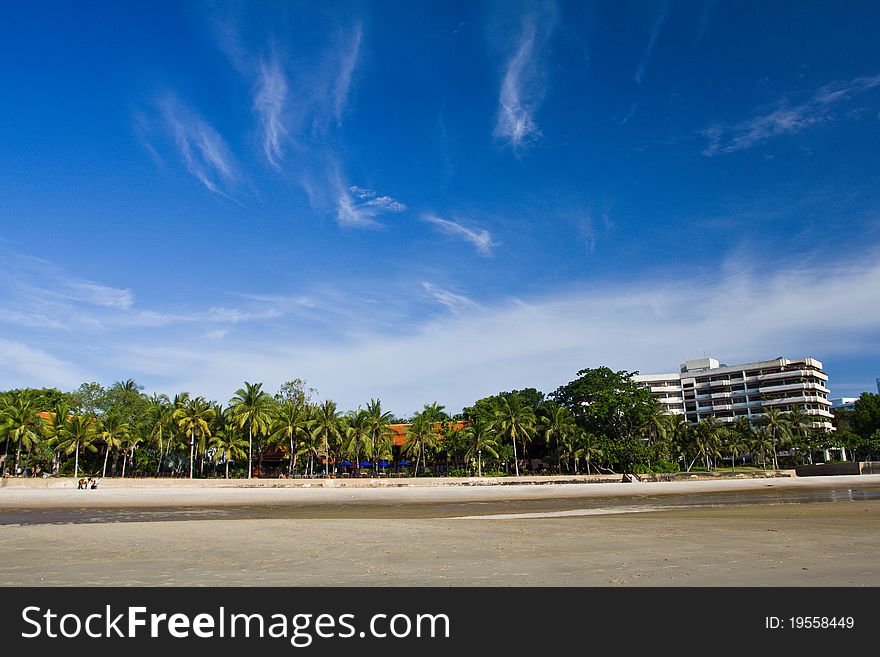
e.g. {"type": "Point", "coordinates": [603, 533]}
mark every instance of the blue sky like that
{"type": "Point", "coordinates": [422, 201]}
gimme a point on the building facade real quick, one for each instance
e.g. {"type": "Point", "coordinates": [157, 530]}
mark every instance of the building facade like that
{"type": "Point", "coordinates": [704, 387]}
{"type": "Point", "coordinates": [844, 403]}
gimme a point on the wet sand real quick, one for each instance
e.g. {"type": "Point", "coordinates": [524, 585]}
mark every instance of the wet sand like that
{"type": "Point", "coordinates": [780, 532]}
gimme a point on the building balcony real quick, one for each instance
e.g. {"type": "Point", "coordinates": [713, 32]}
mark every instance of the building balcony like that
{"type": "Point", "coordinates": [804, 385]}
{"type": "Point", "coordinates": [662, 389]}
{"type": "Point", "coordinates": [800, 399]}
{"type": "Point", "coordinates": [788, 374]}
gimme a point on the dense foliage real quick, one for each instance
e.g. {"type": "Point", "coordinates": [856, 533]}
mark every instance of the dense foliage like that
{"type": "Point", "coordinates": [601, 422]}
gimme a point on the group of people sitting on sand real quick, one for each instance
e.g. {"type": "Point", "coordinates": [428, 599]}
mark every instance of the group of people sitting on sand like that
{"type": "Point", "coordinates": [84, 483]}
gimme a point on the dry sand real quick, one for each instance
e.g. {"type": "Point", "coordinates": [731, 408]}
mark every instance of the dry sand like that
{"type": "Point", "coordinates": [777, 532]}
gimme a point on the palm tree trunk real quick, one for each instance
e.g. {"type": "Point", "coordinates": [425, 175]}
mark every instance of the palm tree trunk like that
{"type": "Point", "coordinates": [124, 459]}
{"type": "Point", "coordinates": [192, 445]}
{"type": "Point", "coordinates": [479, 463]}
{"type": "Point", "coordinates": [250, 450]}
{"type": "Point", "coordinates": [18, 455]}
{"type": "Point", "coordinates": [227, 468]}
{"type": "Point", "coordinates": [515, 462]}
{"type": "Point", "coordinates": [6, 455]}
{"type": "Point", "coordinates": [75, 462]}
{"type": "Point", "coordinates": [292, 457]}
{"type": "Point", "coordinates": [106, 454]}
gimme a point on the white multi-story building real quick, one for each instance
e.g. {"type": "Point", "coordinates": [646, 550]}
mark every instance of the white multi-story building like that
{"type": "Point", "coordinates": [705, 387]}
{"type": "Point", "coordinates": [843, 403]}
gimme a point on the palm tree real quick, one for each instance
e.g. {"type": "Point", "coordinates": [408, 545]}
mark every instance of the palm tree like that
{"type": "Point", "coordinates": [777, 422]}
{"type": "Point", "coordinates": [735, 442]}
{"type": "Point", "coordinates": [379, 429]}
{"type": "Point", "coordinates": [53, 429]}
{"type": "Point", "coordinates": [421, 435]}
{"type": "Point", "coordinates": [557, 424]}
{"type": "Point", "coordinates": [79, 431]}
{"type": "Point", "coordinates": [193, 419]}
{"type": "Point", "coordinates": [357, 435]}
{"type": "Point", "coordinates": [479, 436]}
{"type": "Point", "coordinates": [129, 444]}
{"type": "Point", "coordinates": [228, 445]}
{"type": "Point", "coordinates": [23, 422]}
{"type": "Point", "coordinates": [589, 448]}
{"type": "Point", "coordinates": [325, 426]}
{"type": "Point", "coordinates": [252, 409]}
{"type": "Point", "coordinates": [112, 431]}
{"type": "Point", "coordinates": [762, 443]}
{"type": "Point", "coordinates": [161, 425]}
{"type": "Point", "coordinates": [708, 439]}
{"type": "Point", "coordinates": [312, 445]}
{"type": "Point", "coordinates": [5, 424]}
{"type": "Point", "coordinates": [515, 421]}
{"type": "Point", "coordinates": [800, 424]}
{"type": "Point", "coordinates": [291, 420]}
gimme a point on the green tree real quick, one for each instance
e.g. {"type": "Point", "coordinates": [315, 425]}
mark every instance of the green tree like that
{"type": "Point", "coordinates": [357, 435]}
{"type": "Point", "coordinates": [421, 436]}
{"type": "Point", "coordinates": [113, 432]}
{"type": "Point", "coordinates": [735, 443]}
{"type": "Point", "coordinates": [290, 423]}
{"type": "Point", "coordinates": [557, 424]}
{"type": "Point", "coordinates": [79, 432]}
{"type": "Point", "coordinates": [780, 431]}
{"type": "Point", "coordinates": [89, 399]}
{"type": "Point", "coordinates": [610, 404]}
{"type": "Point", "coordinates": [380, 432]}
{"type": "Point", "coordinates": [800, 427]}
{"type": "Point", "coordinates": [252, 408]}
{"type": "Point", "coordinates": [516, 421]}
{"type": "Point", "coordinates": [709, 435]}
{"type": "Point", "coordinates": [866, 415]}
{"type": "Point", "coordinates": [228, 445]}
{"type": "Point", "coordinates": [326, 426]}
{"type": "Point", "coordinates": [22, 421]}
{"type": "Point", "coordinates": [194, 420]}
{"type": "Point", "coordinates": [480, 436]}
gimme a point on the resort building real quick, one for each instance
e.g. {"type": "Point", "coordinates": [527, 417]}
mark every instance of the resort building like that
{"type": "Point", "coordinates": [844, 403]}
{"type": "Point", "coordinates": [704, 387]}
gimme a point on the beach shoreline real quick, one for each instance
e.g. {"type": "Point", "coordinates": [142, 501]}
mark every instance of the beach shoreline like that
{"type": "Point", "coordinates": [812, 531]}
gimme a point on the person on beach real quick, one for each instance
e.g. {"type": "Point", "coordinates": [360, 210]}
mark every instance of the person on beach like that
{"type": "Point", "coordinates": [81, 484]}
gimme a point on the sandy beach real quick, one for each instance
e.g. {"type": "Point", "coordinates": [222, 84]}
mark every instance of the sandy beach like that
{"type": "Point", "coordinates": [817, 531]}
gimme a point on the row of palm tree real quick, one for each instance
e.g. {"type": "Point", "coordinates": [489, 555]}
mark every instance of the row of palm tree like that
{"type": "Point", "coordinates": [187, 434]}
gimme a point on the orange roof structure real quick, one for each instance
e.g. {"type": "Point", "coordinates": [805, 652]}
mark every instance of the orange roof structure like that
{"type": "Point", "coordinates": [398, 431]}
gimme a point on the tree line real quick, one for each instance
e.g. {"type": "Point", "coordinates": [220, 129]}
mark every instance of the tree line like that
{"type": "Point", "coordinates": [601, 422]}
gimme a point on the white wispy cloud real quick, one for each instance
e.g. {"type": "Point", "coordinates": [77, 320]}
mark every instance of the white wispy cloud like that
{"type": "Point", "coordinates": [25, 276]}
{"type": "Point", "coordinates": [741, 313]}
{"type": "Point", "coordinates": [785, 118]}
{"type": "Point", "coordinates": [339, 338]}
{"type": "Point", "coordinates": [523, 86]}
{"type": "Point", "coordinates": [356, 206]}
{"type": "Point", "coordinates": [649, 49]}
{"type": "Point", "coordinates": [455, 302]}
{"type": "Point", "coordinates": [24, 366]}
{"type": "Point", "coordinates": [36, 294]}
{"type": "Point", "coordinates": [269, 103]}
{"type": "Point", "coordinates": [480, 238]}
{"type": "Point", "coordinates": [347, 61]}
{"type": "Point", "coordinates": [203, 150]}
